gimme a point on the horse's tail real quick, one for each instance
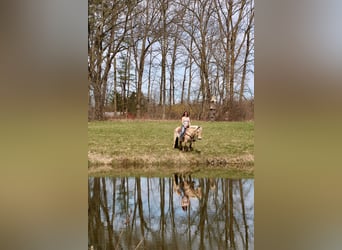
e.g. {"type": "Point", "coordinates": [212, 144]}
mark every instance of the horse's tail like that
{"type": "Point", "coordinates": [176, 143]}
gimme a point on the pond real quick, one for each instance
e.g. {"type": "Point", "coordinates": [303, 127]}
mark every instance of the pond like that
{"type": "Point", "coordinates": [176, 212]}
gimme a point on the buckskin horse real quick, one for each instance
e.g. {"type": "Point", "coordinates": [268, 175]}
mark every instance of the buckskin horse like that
{"type": "Point", "coordinates": [191, 134]}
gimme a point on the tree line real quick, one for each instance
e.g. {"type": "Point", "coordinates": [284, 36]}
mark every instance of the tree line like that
{"type": "Point", "coordinates": [169, 54]}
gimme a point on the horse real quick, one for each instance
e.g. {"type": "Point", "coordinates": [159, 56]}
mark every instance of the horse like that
{"type": "Point", "coordinates": [191, 134]}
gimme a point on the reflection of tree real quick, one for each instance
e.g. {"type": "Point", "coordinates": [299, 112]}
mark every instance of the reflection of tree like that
{"type": "Point", "coordinates": [231, 215]}
{"type": "Point", "coordinates": [225, 203]}
{"type": "Point", "coordinates": [172, 213]}
{"type": "Point", "coordinates": [162, 209]}
{"type": "Point", "coordinates": [203, 213]}
{"type": "Point", "coordinates": [140, 206]}
{"type": "Point", "coordinates": [95, 225]}
{"type": "Point", "coordinates": [105, 208]}
{"type": "Point", "coordinates": [243, 214]}
{"type": "Point", "coordinates": [126, 212]}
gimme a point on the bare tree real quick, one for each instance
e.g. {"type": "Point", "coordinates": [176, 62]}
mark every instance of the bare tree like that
{"type": "Point", "coordinates": [197, 27]}
{"type": "Point", "coordinates": [164, 48]}
{"type": "Point", "coordinates": [107, 28]}
{"type": "Point", "coordinates": [249, 44]}
{"type": "Point", "coordinates": [235, 20]}
{"type": "Point", "coordinates": [146, 36]}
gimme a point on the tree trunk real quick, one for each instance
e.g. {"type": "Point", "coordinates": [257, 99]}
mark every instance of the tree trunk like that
{"type": "Point", "coordinates": [164, 47]}
{"type": "Point", "coordinates": [115, 84]}
{"type": "Point", "coordinates": [98, 104]}
{"type": "Point", "coordinates": [183, 82]}
{"type": "Point", "coordinates": [149, 81]}
{"type": "Point", "coordinates": [244, 71]}
{"type": "Point", "coordinates": [190, 80]}
{"type": "Point", "coordinates": [172, 71]}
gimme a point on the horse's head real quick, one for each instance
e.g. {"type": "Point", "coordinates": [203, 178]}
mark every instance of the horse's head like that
{"type": "Point", "coordinates": [199, 133]}
{"type": "Point", "coordinates": [196, 132]}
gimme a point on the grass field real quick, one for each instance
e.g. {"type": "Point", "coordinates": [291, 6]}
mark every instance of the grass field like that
{"type": "Point", "coordinates": [137, 146]}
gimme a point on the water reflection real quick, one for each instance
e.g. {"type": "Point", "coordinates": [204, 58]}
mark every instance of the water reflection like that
{"type": "Point", "coordinates": [180, 212]}
{"type": "Point", "coordinates": [184, 186]}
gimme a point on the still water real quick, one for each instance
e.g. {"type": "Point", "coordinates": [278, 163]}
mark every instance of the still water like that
{"type": "Point", "coordinates": [177, 212]}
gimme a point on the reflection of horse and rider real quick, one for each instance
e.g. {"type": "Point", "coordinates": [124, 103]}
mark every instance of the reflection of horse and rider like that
{"type": "Point", "coordinates": [184, 186]}
{"type": "Point", "coordinates": [186, 134]}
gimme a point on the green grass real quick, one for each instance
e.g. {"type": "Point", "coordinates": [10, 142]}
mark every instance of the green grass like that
{"type": "Point", "coordinates": [147, 146]}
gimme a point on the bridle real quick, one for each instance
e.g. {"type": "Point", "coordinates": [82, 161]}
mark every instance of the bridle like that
{"type": "Point", "coordinates": [192, 135]}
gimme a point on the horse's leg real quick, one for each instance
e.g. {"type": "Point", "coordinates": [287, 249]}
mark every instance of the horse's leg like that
{"type": "Point", "coordinates": [180, 144]}
{"type": "Point", "coordinates": [176, 143]}
{"type": "Point", "coordinates": [186, 148]}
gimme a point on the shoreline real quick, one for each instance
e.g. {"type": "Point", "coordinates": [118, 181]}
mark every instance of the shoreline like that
{"type": "Point", "coordinates": [144, 165]}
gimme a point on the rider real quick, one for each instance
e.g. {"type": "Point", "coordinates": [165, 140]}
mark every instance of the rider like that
{"type": "Point", "coordinates": [185, 202]}
{"type": "Point", "coordinates": [185, 124]}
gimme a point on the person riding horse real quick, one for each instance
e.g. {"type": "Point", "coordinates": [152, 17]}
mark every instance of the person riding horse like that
{"type": "Point", "coordinates": [185, 124]}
